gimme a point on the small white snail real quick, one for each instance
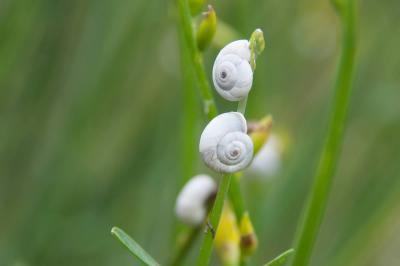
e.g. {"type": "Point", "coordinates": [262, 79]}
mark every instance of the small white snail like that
{"type": "Point", "coordinates": [191, 204]}
{"type": "Point", "coordinates": [224, 144]}
{"type": "Point", "coordinates": [232, 73]}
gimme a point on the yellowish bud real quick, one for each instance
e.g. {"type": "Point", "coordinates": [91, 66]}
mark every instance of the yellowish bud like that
{"type": "Point", "coordinates": [259, 132]}
{"type": "Point", "coordinates": [248, 238]}
{"type": "Point", "coordinates": [207, 28]}
{"type": "Point", "coordinates": [257, 45]}
{"type": "Point", "coordinates": [227, 238]}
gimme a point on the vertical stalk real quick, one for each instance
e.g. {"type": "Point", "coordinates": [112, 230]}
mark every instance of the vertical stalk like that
{"type": "Point", "coordinates": [184, 248]}
{"type": "Point", "coordinates": [215, 215]}
{"type": "Point", "coordinates": [309, 228]}
{"type": "Point", "coordinates": [195, 56]}
{"type": "Point", "coordinates": [236, 199]}
{"type": "Point", "coordinates": [242, 106]}
{"type": "Point", "coordinates": [190, 112]}
{"type": "Point", "coordinates": [235, 196]}
{"type": "Point", "coordinates": [188, 153]}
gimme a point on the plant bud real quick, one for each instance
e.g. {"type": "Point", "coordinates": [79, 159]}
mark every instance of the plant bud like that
{"type": "Point", "coordinates": [248, 238]}
{"type": "Point", "coordinates": [207, 28]}
{"type": "Point", "coordinates": [259, 132]}
{"type": "Point", "coordinates": [227, 239]}
{"type": "Point", "coordinates": [257, 45]}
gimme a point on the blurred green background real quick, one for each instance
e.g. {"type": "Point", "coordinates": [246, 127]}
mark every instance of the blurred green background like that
{"type": "Point", "coordinates": [92, 114]}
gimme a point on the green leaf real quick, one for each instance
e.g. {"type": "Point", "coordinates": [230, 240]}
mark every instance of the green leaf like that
{"type": "Point", "coordinates": [133, 247]}
{"type": "Point", "coordinates": [281, 259]}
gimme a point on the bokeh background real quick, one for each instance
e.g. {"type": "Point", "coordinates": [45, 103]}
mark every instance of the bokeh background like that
{"type": "Point", "coordinates": [96, 128]}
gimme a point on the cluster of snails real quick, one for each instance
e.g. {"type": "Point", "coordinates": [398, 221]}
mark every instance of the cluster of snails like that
{"type": "Point", "coordinates": [224, 145]}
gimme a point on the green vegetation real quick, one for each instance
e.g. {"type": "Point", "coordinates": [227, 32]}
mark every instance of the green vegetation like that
{"type": "Point", "coordinates": [99, 126]}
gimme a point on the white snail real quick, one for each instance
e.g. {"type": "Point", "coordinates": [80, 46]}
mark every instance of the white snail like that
{"type": "Point", "coordinates": [191, 204]}
{"type": "Point", "coordinates": [224, 144]}
{"type": "Point", "coordinates": [232, 73]}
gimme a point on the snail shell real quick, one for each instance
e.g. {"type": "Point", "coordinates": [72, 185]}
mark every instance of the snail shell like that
{"type": "Point", "coordinates": [224, 144]}
{"type": "Point", "coordinates": [191, 203]}
{"type": "Point", "coordinates": [232, 73]}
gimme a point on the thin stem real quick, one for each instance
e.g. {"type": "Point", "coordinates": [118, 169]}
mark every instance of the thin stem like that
{"type": "Point", "coordinates": [242, 106]}
{"type": "Point", "coordinates": [210, 107]}
{"type": "Point", "coordinates": [215, 215]}
{"type": "Point", "coordinates": [185, 246]}
{"type": "Point", "coordinates": [235, 196]}
{"type": "Point", "coordinates": [234, 193]}
{"type": "Point", "coordinates": [189, 153]}
{"type": "Point", "coordinates": [318, 198]}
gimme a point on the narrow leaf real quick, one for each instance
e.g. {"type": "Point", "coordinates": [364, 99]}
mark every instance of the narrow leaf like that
{"type": "Point", "coordinates": [133, 247]}
{"type": "Point", "coordinates": [281, 259]}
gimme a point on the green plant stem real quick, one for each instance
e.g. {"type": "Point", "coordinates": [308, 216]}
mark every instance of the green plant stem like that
{"type": "Point", "coordinates": [235, 196]}
{"type": "Point", "coordinates": [234, 192]}
{"type": "Point", "coordinates": [242, 106]}
{"type": "Point", "coordinates": [318, 198]}
{"type": "Point", "coordinates": [185, 246]}
{"type": "Point", "coordinates": [215, 215]}
{"type": "Point", "coordinates": [210, 107]}
{"type": "Point", "coordinates": [188, 152]}
{"type": "Point", "coordinates": [189, 116]}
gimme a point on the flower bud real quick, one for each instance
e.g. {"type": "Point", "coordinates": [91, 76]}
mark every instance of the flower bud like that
{"type": "Point", "coordinates": [257, 45]}
{"type": "Point", "coordinates": [248, 238]}
{"type": "Point", "coordinates": [259, 132]}
{"type": "Point", "coordinates": [207, 28]}
{"type": "Point", "coordinates": [227, 239]}
{"type": "Point", "coordinates": [192, 203]}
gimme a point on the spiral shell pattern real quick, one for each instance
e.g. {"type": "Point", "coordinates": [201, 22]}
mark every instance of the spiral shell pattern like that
{"type": "Point", "coordinates": [224, 144]}
{"type": "Point", "coordinates": [232, 73]}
